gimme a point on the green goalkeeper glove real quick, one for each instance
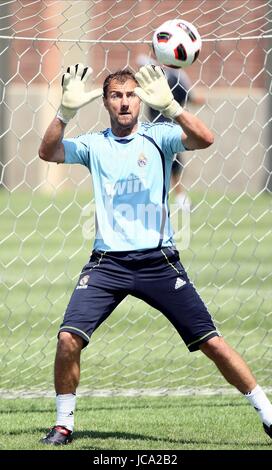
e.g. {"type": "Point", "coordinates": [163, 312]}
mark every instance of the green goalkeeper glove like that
{"type": "Point", "coordinates": [74, 95]}
{"type": "Point", "coordinates": [155, 91]}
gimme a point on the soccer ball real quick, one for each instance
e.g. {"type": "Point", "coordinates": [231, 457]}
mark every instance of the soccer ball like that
{"type": "Point", "coordinates": [176, 43]}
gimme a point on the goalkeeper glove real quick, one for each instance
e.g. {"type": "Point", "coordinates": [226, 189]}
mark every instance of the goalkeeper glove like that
{"type": "Point", "coordinates": [155, 91]}
{"type": "Point", "coordinates": [74, 95]}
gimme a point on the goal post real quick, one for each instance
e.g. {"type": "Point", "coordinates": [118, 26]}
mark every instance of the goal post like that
{"type": "Point", "coordinates": [46, 210]}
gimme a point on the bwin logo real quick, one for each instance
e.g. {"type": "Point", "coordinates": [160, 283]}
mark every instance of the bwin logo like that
{"type": "Point", "coordinates": [129, 186]}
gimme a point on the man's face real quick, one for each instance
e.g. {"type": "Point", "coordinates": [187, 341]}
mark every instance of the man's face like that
{"type": "Point", "coordinates": [122, 104]}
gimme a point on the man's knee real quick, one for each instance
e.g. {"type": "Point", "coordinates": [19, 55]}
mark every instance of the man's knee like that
{"type": "Point", "coordinates": [69, 343]}
{"type": "Point", "coordinates": [216, 347]}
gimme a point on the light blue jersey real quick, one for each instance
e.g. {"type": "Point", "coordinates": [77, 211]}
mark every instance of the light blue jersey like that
{"type": "Point", "coordinates": [131, 179]}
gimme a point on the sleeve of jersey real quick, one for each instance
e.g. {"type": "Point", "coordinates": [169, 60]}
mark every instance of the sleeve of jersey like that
{"type": "Point", "coordinates": [77, 150]}
{"type": "Point", "coordinates": [172, 139]}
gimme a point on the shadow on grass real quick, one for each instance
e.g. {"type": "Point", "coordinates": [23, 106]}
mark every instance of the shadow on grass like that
{"type": "Point", "coordinates": [80, 438]}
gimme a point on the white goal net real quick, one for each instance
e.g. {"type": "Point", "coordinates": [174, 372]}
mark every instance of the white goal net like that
{"type": "Point", "coordinates": [44, 208]}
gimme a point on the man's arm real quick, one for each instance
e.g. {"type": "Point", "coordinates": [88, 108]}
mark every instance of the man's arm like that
{"type": "Point", "coordinates": [196, 134]}
{"type": "Point", "coordinates": [74, 96]}
{"type": "Point", "coordinates": [155, 92]}
{"type": "Point", "coordinates": [52, 148]}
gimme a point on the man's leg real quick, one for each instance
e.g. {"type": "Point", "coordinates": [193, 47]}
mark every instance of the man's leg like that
{"type": "Point", "coordinates": [238, 374]}
{"type": "Point", "coordinates": [170, 291]}
{"type": "Point", "coordinates": [95, 296]}
{"type": "Point", "coordinates": [67, 362]}
{"type": "Point", "coordinates": [230, 364]}
{"type": "Point", "coordinates": [67, 374]}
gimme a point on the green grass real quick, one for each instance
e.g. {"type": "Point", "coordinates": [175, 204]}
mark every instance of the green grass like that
{"type": "Point", "coordinates": [165, 423]}
{"type": "Point", "coordinates": [42, 252]}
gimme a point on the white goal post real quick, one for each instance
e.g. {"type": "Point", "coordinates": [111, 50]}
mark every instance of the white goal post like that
{"type": "Point", "coordinates": [45, 208]}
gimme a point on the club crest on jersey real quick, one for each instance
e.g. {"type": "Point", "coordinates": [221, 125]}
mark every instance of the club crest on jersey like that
{"type": "Point", "coordinates": [83, 283]}
{"type": "Point", "coordinates": [142, 160]}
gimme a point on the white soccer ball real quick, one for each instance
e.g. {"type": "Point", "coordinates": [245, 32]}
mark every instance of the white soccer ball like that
{"type": "Point", "coordinates": [176, 43]}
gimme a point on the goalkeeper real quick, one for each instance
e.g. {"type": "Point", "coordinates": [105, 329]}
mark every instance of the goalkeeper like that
{"type": "Point", "coordinates": [134, 251]}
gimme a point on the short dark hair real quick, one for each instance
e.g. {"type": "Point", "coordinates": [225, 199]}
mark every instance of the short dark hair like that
{"type": "Point", "coordinates": [120, 76]}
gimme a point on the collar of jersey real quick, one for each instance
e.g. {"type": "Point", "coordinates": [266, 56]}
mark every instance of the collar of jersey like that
{"type": "Point", "coordinates": [128, 138]}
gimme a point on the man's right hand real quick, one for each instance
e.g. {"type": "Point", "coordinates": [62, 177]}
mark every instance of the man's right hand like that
{"type": "Point", "coordinates": [74, 95]}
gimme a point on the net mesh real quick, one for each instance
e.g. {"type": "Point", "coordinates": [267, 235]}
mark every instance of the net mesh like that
{"type": "Point", "coordinates": [45, 212]}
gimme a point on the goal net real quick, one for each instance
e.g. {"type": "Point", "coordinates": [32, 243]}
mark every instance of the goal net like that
{"type": "Point", "coordinates": [46, 210]}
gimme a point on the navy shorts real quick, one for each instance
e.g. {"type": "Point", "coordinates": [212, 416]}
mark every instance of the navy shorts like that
{"type": "Point", "coordinates": [155, 276]}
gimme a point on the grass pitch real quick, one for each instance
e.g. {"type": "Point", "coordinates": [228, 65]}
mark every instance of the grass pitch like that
{"type": "Point", "coordinates": [121, 423]}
